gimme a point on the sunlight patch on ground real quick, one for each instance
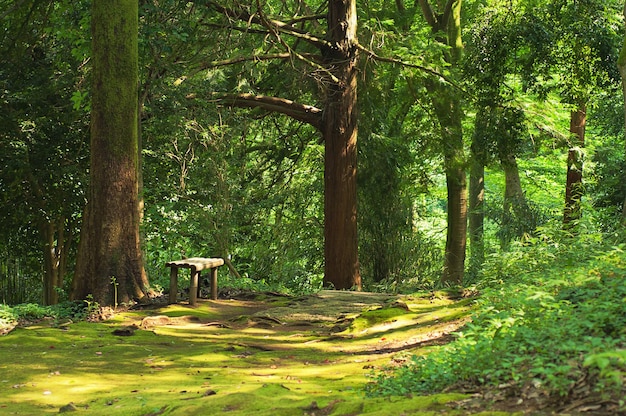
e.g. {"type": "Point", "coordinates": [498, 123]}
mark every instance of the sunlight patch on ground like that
{"type": "Point", "coordinates": [261, 360]}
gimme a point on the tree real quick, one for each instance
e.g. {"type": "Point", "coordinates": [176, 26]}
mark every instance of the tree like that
{"type": "Point", "coordinates": [337, 121]}
{"type": "Point", "coordinates": [446, 103]}
{"type": "Point", "coordinates": [109, 264]}
{"type": "Point", "coordinates": [584, 57]}
{"type": "Point", "coordinates": [621, 66]}
{"type": "Point", "coordinates": [340, 139]}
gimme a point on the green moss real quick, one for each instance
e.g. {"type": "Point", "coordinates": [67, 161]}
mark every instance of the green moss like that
{"type": "Point", "coordinates": [191, 368]}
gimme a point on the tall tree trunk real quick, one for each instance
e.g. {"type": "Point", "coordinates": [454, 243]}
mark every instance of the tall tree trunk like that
{"type": "Point", "coordinates": [456, 238]}
{"type": "Point", "coordinates": [476, 210]}
{"type": "Point", "coordinates": [109, 263]}
{"type": "Point", "coordinates": [337, 123]}
{"type": "Point", "coordinates": [448, 112]}
{"type": "Point", "coordinates": [339, 129]}
{"type": "Point", "coordinates": [621, 66]}
{"type": "Point", "coordinates": [573, 186]}
{"type": "Point", "coordinates": [514, 198]}
{"type": "Point", "coordinates": [447, 107]}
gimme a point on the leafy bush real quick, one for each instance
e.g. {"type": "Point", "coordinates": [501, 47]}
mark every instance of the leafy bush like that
{"type": "Point", "coordinates": [7, 316]}
{"type": "Point", "coordinates": [75, 310]}
{"type": "Point", "coordinates": [555, 315]}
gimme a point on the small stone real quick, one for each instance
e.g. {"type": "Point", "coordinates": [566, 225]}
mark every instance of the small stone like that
{"type": "Point", "coordinates": [70, 407]}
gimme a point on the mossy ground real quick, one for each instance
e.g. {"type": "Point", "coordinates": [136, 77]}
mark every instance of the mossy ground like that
{"type": "Point", "coordinates": [271, 356]}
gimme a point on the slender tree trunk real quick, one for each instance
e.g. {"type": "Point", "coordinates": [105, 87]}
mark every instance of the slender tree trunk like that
{"type": "Point", "coordinates": [476, 211]}
{"type": "Point", "coordinates": [55, 245]}
{"type": "Point", "coordinates": [109, 263]}
{"type": "Point", "coordinates": [515, 208]}
{"type": "Point", "coordinates": [621, 66]}
{"type": "Point", "coordinates": [456, 238]}
{"type": "Point", "coordinates": [448, 112]}
{"type": "Point", "coordinates": [339, 129]}
{"type": "Point", "coordinates": [514, 198]}
{"type": "Point", "coordinates": [447, 107]}
{"type": "Point", "coordinates": [573, 186]}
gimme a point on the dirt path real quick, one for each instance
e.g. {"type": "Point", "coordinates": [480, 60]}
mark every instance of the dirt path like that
{"type": "Point", "coordinates": [333, 315]}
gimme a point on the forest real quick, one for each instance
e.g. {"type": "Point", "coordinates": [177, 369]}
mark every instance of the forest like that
{"type": "Point", "coordinates": [470, 154]}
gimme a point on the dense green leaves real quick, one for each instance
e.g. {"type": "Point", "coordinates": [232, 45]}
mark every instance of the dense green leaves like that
{"type": "Point", "coordinates": [554, 322]}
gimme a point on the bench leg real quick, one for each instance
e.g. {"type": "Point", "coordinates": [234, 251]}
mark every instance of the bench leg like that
{"type": "Point", "coordinates": [173, 284]}
{"type": "Point", "coordinates": [193, 288]}
{"type": "Point", "coordinates": [214, 283]}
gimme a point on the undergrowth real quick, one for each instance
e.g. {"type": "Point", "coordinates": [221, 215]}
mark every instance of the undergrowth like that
{"type": "Point", "coordinates": [552, 317]}
{"type": "Point", "coordinates": [28, 312]}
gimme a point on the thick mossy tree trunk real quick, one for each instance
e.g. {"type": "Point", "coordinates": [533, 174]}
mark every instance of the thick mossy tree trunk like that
{"type": "Point", "coordinates": [109, 263]}
{"type": "Point", "coordinates": [446, 26]}
{"type": "Point", "coordinates": [339, 129]}
{"type": "Point", "coordinates": [574, 183]}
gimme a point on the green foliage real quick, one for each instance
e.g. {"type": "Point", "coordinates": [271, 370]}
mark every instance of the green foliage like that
{"type": "Point", "coordinates": [224, 182]}
{"type": "Point", "coordinates": [43, 157]}
{"type": "Point", "coordinates": [7, 316]}
{"type": "Point", "coordinates": [552, 313]}
{"type": "Point", "coordinates": [28, 312]}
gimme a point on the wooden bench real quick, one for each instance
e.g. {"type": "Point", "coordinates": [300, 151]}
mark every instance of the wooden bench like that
{"type": "Point", "coordinates": [196, 264]}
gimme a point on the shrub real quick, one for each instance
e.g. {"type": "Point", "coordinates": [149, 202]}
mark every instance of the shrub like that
{"type": "Point", "coordinates": [545, 324]}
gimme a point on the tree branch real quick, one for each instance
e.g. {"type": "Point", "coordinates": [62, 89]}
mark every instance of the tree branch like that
{"type": "Point", "coordinates": [245, 16]}
{"type": "Point", "coordinates": [301, 112]}
{"type": "Point", "coordinates": [314, 17]}
{"type": "Point", "coordinates": [274, 27]}
{"type": "Point", "coordinates": [237, 60]}
{"type": "Point", "coordinates": [429, 14]}
{"type": "Point", "coordinates": [446, 12]}
{"type": "Point", "coordinates": [430, 71]}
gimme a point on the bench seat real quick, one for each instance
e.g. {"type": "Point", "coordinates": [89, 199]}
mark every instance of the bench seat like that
{"type": "Point", "coordinates": [195, 264]}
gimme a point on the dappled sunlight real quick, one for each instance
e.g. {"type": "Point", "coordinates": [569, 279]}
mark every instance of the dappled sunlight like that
{"type": "Point", "coordinates": [207, 357]}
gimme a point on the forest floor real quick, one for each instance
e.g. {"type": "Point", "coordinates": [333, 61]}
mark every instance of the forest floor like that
{"type": "Point", "coordinates": [244, 354]}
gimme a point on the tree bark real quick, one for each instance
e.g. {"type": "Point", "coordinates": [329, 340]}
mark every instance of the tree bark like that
{"type": "Point", "coordinates": [476, 210]}
{"type": "Point", "coordinates": [447, 107]}
{"type": "Point", "coordinates": [454, 266]}
{"type": "Point", "coordinates": [573, 186]}
{"type": "Point", "coordinates": [109, 263]}
{"type": "Point", "coordinates": [621, 66]}
{"type": "Point", "coordinates": [515, 208]}
{"type": "Point", "coordinates": [55, 246]}
{"type": "Point", "coordinates": [513, 193]}
{"type": "Point", "coordinates": [339, 129]}
{"type": "Point", "coordinates": [337, 123]}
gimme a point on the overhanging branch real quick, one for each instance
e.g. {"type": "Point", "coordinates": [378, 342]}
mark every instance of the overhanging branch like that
{"type": "Point", "coordinates": [232, 61]}
{"type": "Point", "coordinates": [283, 27]}
{"type": "Point", "coordinates": [430, 71]}
{"type": "Point", "coordinates": [301, 112]}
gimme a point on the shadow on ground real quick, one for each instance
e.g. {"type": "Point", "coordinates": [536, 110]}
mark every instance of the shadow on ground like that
{"type": "Point", "coordinates": [261, 354]}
